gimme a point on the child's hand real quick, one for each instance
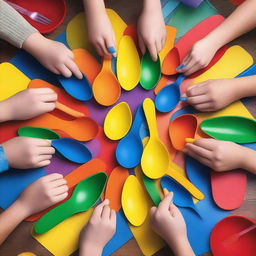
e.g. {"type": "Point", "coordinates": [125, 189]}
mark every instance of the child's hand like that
{"type": "Point", "coordinates": [212, 95]}
{"type": "Point", "coordinates": [218, 155]}
{"type": "Point", "coordinates": [100, 31]}
{"type": "Point", "coordinates": [151, 29]}
{"type": "Point", "coordinates": [28, 104]}
{"type": "Point", "coordinates": [43, 193]}
{"type": "Point", "coordinates": [167, 221]}
{"type": "Point", "coordinates": [199, 56]}
{"type": "Point", "coordinates": [98, 231]}
{"type": "Point", "coordinates": [55, 56]}
{"type": "Point", "coordinates": [26, 153]}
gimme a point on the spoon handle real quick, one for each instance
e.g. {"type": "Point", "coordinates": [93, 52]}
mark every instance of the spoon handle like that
{"type": "Point", "coordinates": [53, 218]}
{"type": "Point", "coordinates": [107, 63]}
{"type": "Point", "coordinates": [68, 110]}
{"type": "Point", "coordinates": [150, 113]}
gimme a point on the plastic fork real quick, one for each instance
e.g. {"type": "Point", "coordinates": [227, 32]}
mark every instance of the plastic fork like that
{"type": "Point", "coordinates": [36, 16]}
{"type": "Point", "coordinates": [235, 237]}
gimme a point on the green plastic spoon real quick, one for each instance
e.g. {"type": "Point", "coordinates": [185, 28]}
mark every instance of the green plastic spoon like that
{"type": "Point", "coordinates": [231, 128]}
{"type": "Point", "coordinates": [37, 132]}
{"type": "Point", "coordinates": [150, 71]}
{"type": "Point", "coordinates": [85, 196]}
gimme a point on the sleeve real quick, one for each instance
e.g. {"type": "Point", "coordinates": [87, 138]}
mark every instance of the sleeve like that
{"type": "Point", "coordinates": [13, 27]}
{"type": "Point", "coordinates": [4, 166]}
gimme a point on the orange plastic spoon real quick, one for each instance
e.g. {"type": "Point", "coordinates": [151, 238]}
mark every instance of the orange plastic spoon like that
{"type": "Point", "coordinates": [68, 110]}
{"type": "Point", "coordinates": [106, 88]}
{"type": "Point", "coordinates": [82, 129]}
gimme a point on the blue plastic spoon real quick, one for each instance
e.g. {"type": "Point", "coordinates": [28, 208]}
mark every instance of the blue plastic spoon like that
{"type": "Point", "coordinates": [72, 150]}
{"type": "Point", "coordinates": [80, 89]}
{"type": "Point", "coordinates": [182, 197]}
{"type": "Point", "coordinates": [129, 149]}
{"type": "Point", "coordinates": [168, 97]}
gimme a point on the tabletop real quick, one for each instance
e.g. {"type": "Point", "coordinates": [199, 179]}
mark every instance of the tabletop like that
{"type": "Point", "coordinates": [20, 240]}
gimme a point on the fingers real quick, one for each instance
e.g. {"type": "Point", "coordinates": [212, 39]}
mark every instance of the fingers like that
{"type": "Point", "coordinates": [106, 212]}
{"type": "Point", "coordinates": [61, 197]}
{"type": "Point", "coordinates": [152, 50]}
{"type": "Point", "coordinates": [195, 100]}
{"type": "Point", "coordinates": [39, 142]}
{"type": "Point", "coordinates": [208, 144]}
{"type": "Point", "coordinates": [142, 45]}
{"type": "Point", "coordinates": [60, 190]}
{"type": "Point", "coordinates": [58, 183]}
{"type": "Point", "coordinates": [98, 209]}
{"type": "Point", "coordinates": [110, 45]}
{"type": "Point", "coordinates": [205, 153]}
{"type": "Point", "coordinates": [196, 90]}
{"type": "Point", "coordinates": [43, 163]}
{"type": "Point", "coordinates": [99, 49]}
{"type": "Point", "coordinates": [165, 203]}
{"type": "Point", "coordinates": [42, 90]}
{"type": "Point", "coordinates": [153, 210]}
{"type": "Point", "coordinates": [53, 177]}
{"type": "Point", "coordinates": [113, 216]}
{"type": "Point", "coordinates": [70, 64]}
{"type": "Point", "coordinates": [52, 97]}
{"type": "Point", "coordinates": [65, 71]}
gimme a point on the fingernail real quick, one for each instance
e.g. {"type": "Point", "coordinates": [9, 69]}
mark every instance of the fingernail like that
{"type": "Point", "coordinates": [111, 50]}
{"type": "Point", "coordinates": [180, 66]}
{"type": "Point", "coordinates": [190, 140]}
{"type": "Point", "coordinates": [183, 98]}
{"type": "Point", "coordinates": [166, 192]}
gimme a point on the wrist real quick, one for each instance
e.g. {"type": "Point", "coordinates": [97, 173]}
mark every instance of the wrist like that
{"type": "Point", "coordinates": [94, 7]}
{"type": "Point", "coordinates": [152, 5]}
{"type": "Point", "coordinates": [181, 247]}
{"type": "Point", "coordinates": [19, 207]}
{"type": "Point", "coordinates": [33, 43]}
{"type": "Point", "coordinates": [248, 160]}
{"type": "Point", "coordinates": [5, 111]}
{"type": "Point", "coordinates": [90, 249]}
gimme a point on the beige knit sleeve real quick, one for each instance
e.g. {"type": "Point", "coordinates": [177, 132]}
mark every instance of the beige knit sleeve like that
{"type": "Point", "coordinates": [13, 27]}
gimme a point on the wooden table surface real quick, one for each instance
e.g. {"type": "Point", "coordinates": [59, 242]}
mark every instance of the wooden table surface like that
{"type": "Point", "coordinates": [20, 240]}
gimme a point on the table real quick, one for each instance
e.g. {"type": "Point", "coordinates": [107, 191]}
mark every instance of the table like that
{"type": "Point", "coordinates": [20, 240]}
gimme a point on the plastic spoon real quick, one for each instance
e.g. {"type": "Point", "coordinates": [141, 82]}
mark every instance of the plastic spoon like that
{"type": "Point", "coordinates": [80, 89]}
{"type": "Point", "coordinates": [231, 128]}
{"type": "Point", "coordinates": [118, 121]}
{"type": "Point", "coordinates": [82, 129]}
{"type": "Point", "coordinates": [85, 195]}
{"type": "Point", "coordinates": [133, 202]}
{"type": "Point", "coordinates": [150, 71]}
{"type": "Point", "coordinates": [155, 157]}
{"type": "Point", "coordinates": [168, 97]}
{"type": "Point", "coordinates": [129, 149]}
{"type": "Point", "coordinates": [37, 132]}
{"type": "Point", "coordinates": [128, 64]}
{"type": "Point", "coordinates": [106, 88]}
{"type": "Point", "coordinates": [68, 110]}
{"type": "Point", "coordinates": [72, 150]}
{"type": "Point", "coordinates": [181, 197]}
{"type": "Point", "coordinates": [180, 128]}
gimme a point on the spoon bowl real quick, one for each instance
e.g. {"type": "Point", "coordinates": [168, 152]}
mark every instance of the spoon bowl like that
{"type": "Point", "coordinates": [80, 89]}
{"type": "Point", "coordinates": [85, 196]}
{"type": "Point", "coordinates": [168, 97]}
{"type": "Point", "coordinates": [150, 71]}
{"type": "Point", "coordinates": [106, 88]}
{"type": "Point", "coordinates": [118, 121]}
{"type": "Point", "coordinates": [37, 132]}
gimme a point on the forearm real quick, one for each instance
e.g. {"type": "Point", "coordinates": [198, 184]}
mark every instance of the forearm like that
{"type": "Point", "coordinates": [242, 20]}
{"type": "Point", "coordinates": [5, 114]}
{"type": "Point", "coordinates": [181, 248]}
{"type": "Point", "coordinates": [249, 160]}
{"type": "Point", "coordinates": [93, 5]}
{"type": "Point", "coordinates": [151, 5]}
{"type": "Point", "coordinates": [244, 86]}
{"type": "Point", "coordinates": [87, 250]}
{"type": "Point", "coordinates": [10, 219]}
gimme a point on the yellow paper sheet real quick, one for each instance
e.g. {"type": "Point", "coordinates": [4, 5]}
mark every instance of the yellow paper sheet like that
{"type": "Point", "coordinates": [12, 80]}
{"type": "Point", "coordinates": [62, 240]}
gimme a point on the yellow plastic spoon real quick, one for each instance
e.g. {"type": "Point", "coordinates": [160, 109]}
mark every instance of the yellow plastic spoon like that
{"type": "Point", "coordinates": [155, 158]}
{"type": "Point", "coordinates": [133, 201]}
{"type": "Point", "coordinates": [106, 89]}
{"type": "Point", "coordinates": [128, 64]}
{"type": "Point", "coordinates": [118, 121]}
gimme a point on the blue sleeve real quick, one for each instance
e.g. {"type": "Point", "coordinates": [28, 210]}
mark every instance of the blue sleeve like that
{"type": "Point", "coordinates": [4, 166]}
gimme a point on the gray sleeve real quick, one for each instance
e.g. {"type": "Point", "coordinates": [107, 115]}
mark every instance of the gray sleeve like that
{"type": "Point", "coordinates": [13, 27]}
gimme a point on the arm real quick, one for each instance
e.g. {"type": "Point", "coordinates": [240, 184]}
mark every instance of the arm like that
{"type": "Point", "coordinates": [239, 22]}
{"type": "Point", "coordinates": [100, 32]}
{"type": "Point", "coordinates": [41, 194]}
{"type": "Point", "coordinates": [151, 28]}
{"type": "Point", "coordinates": [167, 221]}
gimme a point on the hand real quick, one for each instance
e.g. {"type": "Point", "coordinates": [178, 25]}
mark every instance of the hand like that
{"type": "Point", "coordinates": [151, 29]}
{"type": "Point", "coordinates": [43, 193]}
{"type": "Point", "coordinates": [218, 155]}
{"type": "Point", "coordinates": [199, 56]}
{"type": "Point", "coordinates": [26, 153]}
{"type": "Point", "coordinates": [28, 104]}
{"type": "Point", "coordinates": [55, 56]}
{"type": "Point", "coordinates": [212, 95]}
{"type": "Point", "coordinates": [167, 221]}
{"type": "Point", "coordinates": [100, 31]}
{"type": "Point", "coordinates": [98, 231]}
